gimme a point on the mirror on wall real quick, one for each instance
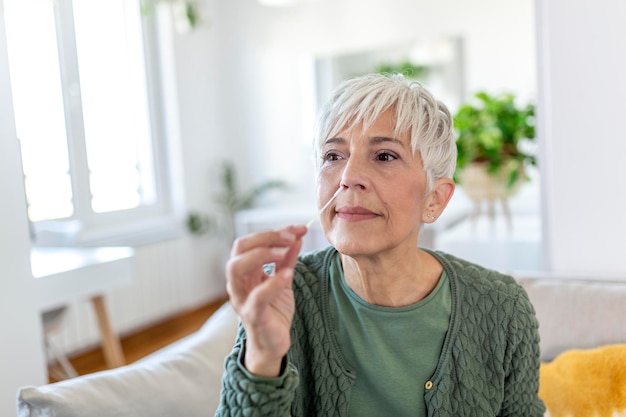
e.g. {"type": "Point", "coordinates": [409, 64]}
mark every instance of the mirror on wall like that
{"type": "Point", "coordinates": [435, 62]}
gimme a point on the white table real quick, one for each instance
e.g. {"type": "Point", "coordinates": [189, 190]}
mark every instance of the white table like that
{"type": "Point", "coordinates": [71, 274]}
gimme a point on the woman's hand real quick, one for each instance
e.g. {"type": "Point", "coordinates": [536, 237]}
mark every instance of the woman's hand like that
{"type": "Point", "coordinates": [265, 303]}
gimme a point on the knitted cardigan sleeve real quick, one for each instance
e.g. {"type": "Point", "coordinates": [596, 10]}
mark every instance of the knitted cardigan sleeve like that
{"type": "Point", "coordinates": [522, 361]}
{"type": "Point", "coordinates": [245, 396]}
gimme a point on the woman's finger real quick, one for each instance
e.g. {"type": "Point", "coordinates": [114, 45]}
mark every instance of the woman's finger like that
{"type": "Point", "coordinates": [279, 237]}
{"type": "Point", "coordinates": [267, 292]}
{"type": "Point", "coordinates": [253, 261]}
{"type": "Point", "coordinates": [245, 268]}
{"type": "Point", "coordinates": [291, 256]}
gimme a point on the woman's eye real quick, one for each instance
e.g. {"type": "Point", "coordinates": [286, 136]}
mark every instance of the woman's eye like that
{"type": "Point", "coordinates": [385, 157]}
{"type": "Point", "coordinates": [331, 156]}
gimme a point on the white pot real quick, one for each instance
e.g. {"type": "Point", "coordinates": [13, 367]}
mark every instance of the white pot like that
{"type": "Point", "coordinates": [479, 185]}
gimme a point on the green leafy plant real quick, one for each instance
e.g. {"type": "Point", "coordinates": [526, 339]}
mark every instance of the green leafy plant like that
{"type": "Point", "coordinates": [230, 199]}
{"type": "Point", "coordinates": [190, 10]}
{"type": "Point", "coordinates": [406, 67]}
{"type": "Point", "coordinates": [490, 130]}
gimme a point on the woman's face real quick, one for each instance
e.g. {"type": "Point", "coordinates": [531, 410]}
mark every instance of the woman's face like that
{"type": "Point", "coordinates": [383, 197]}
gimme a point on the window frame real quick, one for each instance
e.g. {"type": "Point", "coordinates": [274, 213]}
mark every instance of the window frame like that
{"type": "Point", "coordinates": [130, 227]}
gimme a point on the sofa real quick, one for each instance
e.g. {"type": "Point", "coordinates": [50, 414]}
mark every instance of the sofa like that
{"type": "Point", "coordinates": [579, 318]}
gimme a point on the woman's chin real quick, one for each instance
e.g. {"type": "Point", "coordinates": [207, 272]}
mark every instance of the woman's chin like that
{"type": "Point", "coordinates": [353, 247]}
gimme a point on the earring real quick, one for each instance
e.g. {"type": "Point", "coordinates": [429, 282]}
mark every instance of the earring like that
{"type": "Point", "coordinates": [431, 216]}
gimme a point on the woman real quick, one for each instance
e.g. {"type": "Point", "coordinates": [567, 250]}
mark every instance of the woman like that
{"type": "Point", "coordinates": [374, 325]}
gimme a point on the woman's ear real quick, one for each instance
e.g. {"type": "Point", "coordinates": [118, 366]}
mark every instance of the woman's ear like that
{"type": "Point", "coordinates": [438, 199]}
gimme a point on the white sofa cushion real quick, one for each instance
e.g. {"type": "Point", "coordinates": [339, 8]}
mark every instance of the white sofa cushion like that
{"type": "Point", "coordinates": [575, 313]}
{"type": "Point", "coordinates": [183, 379]}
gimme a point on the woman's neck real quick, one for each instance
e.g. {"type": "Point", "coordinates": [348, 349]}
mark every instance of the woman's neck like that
{"type": "Point", "coordinates": [392, 281]}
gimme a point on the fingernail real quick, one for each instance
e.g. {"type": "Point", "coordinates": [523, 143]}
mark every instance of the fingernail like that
{"type": "Point", "coordinates": [279, 251]}
{"type": "Point", "coordinates": [288, 236]}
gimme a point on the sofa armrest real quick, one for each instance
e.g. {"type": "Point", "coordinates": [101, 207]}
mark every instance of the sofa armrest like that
{"type": "Point", "coordinates": [183, 379]}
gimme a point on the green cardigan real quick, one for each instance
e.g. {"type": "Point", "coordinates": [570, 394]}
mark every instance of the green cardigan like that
{"type": "Point", "coordinates": [489, 364]}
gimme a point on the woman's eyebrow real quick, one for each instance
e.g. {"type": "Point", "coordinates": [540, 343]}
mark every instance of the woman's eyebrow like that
{"type": "Point", "coordinates": [378, 139]}
{"type": "Point", "coordinates": [334, 140]}
{"type": "Point", "coordinates": [375, 140]}
{"type": "Point", "coordinates": [383, 139]}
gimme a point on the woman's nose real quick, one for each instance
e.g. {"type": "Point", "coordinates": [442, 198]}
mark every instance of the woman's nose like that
{"type": "Point", "coordinates": [355, 174]}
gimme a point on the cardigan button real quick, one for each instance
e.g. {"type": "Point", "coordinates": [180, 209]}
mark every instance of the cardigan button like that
{"type": "Point", "coordinates": [428, 385]}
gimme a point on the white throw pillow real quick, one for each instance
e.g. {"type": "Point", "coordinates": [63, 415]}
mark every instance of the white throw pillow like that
{"type": "Point", "coordinates": [183, 379]}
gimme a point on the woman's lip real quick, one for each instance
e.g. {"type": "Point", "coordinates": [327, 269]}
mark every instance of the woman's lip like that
{"type": "Point", "coordinates": [355, 213]}
{"type": "Point", "coordinates": [354, 210]}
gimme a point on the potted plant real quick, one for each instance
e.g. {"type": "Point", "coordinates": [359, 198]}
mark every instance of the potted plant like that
{"type": "Point", "coordinates": [186, 12]}
{"type": "Point", "coordinates": [406, 68]}
{"type": "Point", "coordinates": [230, 199]}
{"type": "Point", "coordinates": [491, 132]}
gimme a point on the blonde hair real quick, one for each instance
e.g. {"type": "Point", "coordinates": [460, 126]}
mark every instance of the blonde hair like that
{"type": "Point", "coordinates": [363, 99]}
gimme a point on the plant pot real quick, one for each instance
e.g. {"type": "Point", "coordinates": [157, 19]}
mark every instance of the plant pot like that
{"type": "Point", "coordinates": [479, 185]}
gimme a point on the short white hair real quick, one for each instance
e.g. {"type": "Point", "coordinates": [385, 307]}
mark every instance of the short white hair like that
{"type": "Point", "coordinates": [363, 99]}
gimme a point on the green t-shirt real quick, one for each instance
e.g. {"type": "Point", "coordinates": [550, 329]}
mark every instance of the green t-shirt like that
{"type": "Point", "coordinates": [394, 351]}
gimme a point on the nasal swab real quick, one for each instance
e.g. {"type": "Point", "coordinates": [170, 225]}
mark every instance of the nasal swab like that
{"type": "Point", "coordinates": [320, 211]}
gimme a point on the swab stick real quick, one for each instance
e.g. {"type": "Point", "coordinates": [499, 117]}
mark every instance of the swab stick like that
{"type": "Point", "coordinates": [310, 222]}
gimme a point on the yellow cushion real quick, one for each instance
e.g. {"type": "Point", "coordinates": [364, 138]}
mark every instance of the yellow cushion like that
{"type": "Point", "coordinates": [585, 383]}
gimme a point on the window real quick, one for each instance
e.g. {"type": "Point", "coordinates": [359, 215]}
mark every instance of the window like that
{"type": "Point", "coordinates": [90, 149]}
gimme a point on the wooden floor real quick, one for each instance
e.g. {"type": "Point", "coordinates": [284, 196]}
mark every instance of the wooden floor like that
{"type": "Point", "coordinates": [148, 340]}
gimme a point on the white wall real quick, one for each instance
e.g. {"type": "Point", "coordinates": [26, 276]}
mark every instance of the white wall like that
{"type": "Point", "coordinates": [21, 355]}
{"type": "Point", "coordinates": [582, 57]}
